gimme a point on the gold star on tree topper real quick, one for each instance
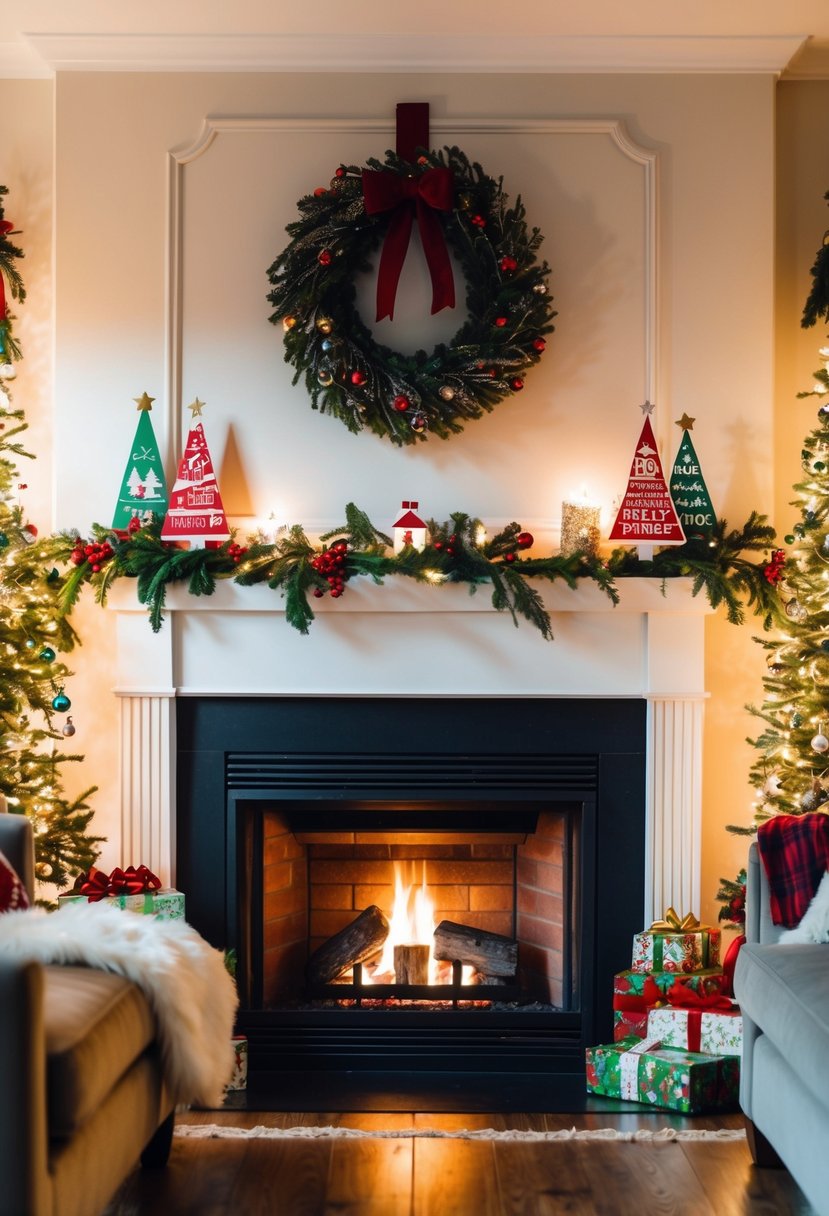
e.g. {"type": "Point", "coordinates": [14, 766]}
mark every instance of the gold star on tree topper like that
{"type": "Point", "coordinates": [144, 402]}
{"type": "Point", "coordinates": [196, 408]}
{"type": "Point", "coordinates": [685, 422]}
{"type": "Point", "coordinates": [647, 407]}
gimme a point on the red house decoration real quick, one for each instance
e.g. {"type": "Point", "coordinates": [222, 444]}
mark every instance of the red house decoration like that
{"type": "Point", "coordinates": [409, 529]}
{"type": "Point", "coordinates": [196, 513]}
{"type": "Point", "coordinates": [647, 515]}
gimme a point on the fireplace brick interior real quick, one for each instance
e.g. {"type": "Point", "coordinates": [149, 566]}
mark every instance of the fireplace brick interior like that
{"type": "Point", "coordinates": [316, 883]}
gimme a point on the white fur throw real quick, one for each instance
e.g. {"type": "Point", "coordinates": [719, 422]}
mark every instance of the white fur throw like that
{"type": "Point", "coordinates": [184, 979]}
{"type": "Point", "coordinates": [814, 926]}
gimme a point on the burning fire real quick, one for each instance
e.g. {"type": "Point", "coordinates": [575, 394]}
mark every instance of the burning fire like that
{"type": "Point", "coordinates": [411, 922]}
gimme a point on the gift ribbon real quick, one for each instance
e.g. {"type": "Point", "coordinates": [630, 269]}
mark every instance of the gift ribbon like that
{"type": "Point", "coordinates": [406, 197]}
{"type": "Point", "coordinates": [629, 1068]}
{"type": "Point", "coordinates": [96, 885]}
{"type": "Point", "coordinates": [730, 963]}
{"type": "Point", "coordinates": [5, 227]}
{"type": "Point", "coordinates": [695, 1004]}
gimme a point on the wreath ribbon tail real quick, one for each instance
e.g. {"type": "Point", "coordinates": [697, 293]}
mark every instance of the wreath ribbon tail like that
{"type": "Point", "coordinates": [392, 257]}
{"type": "Point", "coordinates": [437, 258]}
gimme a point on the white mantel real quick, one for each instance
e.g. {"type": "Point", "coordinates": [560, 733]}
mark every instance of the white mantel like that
{"type": "Point", "coordinates": [407, 639]}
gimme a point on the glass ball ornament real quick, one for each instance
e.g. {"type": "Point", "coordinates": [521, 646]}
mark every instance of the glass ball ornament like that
{"type": "Point", "coordinates": [446, 392]}
{"type": "Point", "coordinates": [47, 654]}
{"type": "Point", "coordinates": [796, 720]}
{"type": "Point", "coordinates": [60, 702]}
{"type": "Point", "coordinates": [820, 743]}
{"type": "Point", "coordinates": [4, 541]}
{"type": "Point", "coordinates": [326, 344]}
{"type": "Point", "coordinates": [288, 324]}
{"type": "Point", "coordinates": [540, 289]}
{"type": "Point", "coordinates": [68, 728]}
{"type": "Point", "coordinates": [325, 378]}
{"type": "Point", "coordinates": [325, 325]}
{"type": "Point", "coordinates": [419, 424]}
{"type": "Point", "coordinates": [795, 611]}
{"type": "Point", "coordinates": [30, 643]}
{"type": "Point", "coordinates": [401, 403]}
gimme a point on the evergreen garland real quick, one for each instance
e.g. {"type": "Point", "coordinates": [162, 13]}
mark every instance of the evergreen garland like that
{"type": "Point", "coordinates": [458, 552]}
{"type": "Point", "coordinates": [364, 383]}
{"type": "Point", "coordinates": [817, 302]}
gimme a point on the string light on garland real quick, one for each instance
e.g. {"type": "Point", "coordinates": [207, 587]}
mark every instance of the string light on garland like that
{"type": "Point", "coordinates": [349, 374]}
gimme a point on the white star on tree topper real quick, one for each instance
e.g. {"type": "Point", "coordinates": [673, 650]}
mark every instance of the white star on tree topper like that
{"type": "Point", "coordinates": [647, 407]}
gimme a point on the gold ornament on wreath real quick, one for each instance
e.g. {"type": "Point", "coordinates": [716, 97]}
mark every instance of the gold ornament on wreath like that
{"type": "Point", "coordinates": [368, 386]}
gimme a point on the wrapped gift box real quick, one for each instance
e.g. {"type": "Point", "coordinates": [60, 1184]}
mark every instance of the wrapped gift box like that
{"type": "Point", "coordinates": [715, 1032]}
{"type": "Point", "coordinates": [637, 1070]}
{"type": "Point", "coordinates": [239, 1080]}
{"type": "Point", "coordinates": [164, 904]}
{"type": "Point", "coordinates": [689, 951]}
{"type": "Point", "coordinates": [627, 1023]}
{"type": "Point", "coordinates": [633, 992]}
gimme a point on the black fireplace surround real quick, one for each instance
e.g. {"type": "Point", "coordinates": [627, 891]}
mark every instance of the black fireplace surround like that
{"type": "Point", "coordinates": [491, 761]}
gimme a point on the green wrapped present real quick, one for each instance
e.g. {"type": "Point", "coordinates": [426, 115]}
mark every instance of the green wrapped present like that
{"type": "Point", "coordinates": [640, 1070]}
{"type": "Point", "coordinates": [134, 890]}
{"type": "Point", "coordinates": [685, 946]}
{"type": "Point", "coordinates": [636, 991]}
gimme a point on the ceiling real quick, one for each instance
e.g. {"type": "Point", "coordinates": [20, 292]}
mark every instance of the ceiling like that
{"type": "Point", "coordinates": [39, 37]}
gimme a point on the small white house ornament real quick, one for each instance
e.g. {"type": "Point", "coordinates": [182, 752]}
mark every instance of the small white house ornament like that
{"type": "Point", "coordinates": [409, 529]}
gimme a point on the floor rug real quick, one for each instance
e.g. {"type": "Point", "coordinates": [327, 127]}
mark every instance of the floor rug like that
{"type": "Point", "coordinates": [665, 1135]}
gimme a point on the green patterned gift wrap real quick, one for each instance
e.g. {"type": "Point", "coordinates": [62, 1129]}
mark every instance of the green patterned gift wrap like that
{"type": "Point", "coordinates": [637, 1070]}
{"type": "Point", "coordinates": [632, 984]}
{"type": "Point", "coordinates": [164, 904]}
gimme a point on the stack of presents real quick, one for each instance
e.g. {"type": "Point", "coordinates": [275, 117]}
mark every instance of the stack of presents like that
{"type": "Point", "coordinates": [678, 1035]}
{"type": "Point", "coordinates": [137, 889]}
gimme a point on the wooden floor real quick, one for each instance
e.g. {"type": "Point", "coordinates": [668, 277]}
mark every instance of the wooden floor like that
{"type": "Point", "coordinates": [422, 1177]}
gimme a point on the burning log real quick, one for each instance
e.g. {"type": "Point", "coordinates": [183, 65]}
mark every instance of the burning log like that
{"type": "Point", "coordinates": [411, 964]}
{"type": "Point", "coordinates": [355, 943]}
{"type": "Point", "coordinates": [490, 953]}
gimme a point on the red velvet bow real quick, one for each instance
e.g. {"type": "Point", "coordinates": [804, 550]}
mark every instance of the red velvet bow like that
{"type": "Point", "coordinates": [406, 197]}
{"type": "Point", "coordinates": [651, 995]}
{"type": "Point", "coordinates": [96, 885]}
{"type": "Point", "coordinates": [132, 881]}
{"type": "Point", "coordinates": [683, 996]}
{"type": "Point", "coordinates": [5, 226]}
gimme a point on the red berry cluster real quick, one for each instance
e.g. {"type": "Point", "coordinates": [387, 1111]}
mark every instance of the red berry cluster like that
{"type": "Point", "coordinates": [773, 572]}
{"type": "Point", "coordinates": [330, 564]}
{"type": "Point", "coordinates": [236, 552]}
{"type": "Point", "coordinates": [94, 553]}
{"type": "Point", "coordinates": [448, 548]}
{"type": "Point", "coordinates": [507, 264]}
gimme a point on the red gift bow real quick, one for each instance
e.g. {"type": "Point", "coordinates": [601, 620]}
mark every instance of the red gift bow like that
{"type": "Point", "coordinates": [406, 197]}
{"type": "Point", "coordinates": [96, 885]}
{"type": "Point", "coordinates": [681, 996]}
{"type": "Point", "coordinates": [5, 226]}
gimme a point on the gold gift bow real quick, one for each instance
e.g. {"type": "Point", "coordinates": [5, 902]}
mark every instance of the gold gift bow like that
{"type": "Point", "coordinates": [673, 924]}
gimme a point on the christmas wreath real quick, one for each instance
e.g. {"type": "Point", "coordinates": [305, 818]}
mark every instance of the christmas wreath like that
{"type": "Point", "coordinates": [364, 383]}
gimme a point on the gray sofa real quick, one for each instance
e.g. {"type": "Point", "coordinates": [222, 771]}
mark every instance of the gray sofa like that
{"type": "Point", "coordinates": [83, 1092]}
{"type": "Point", "coordinates": [783, 991]}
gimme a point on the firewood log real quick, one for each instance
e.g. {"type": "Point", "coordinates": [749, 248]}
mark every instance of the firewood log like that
{"type": "Point", "coordinates": [489, 953]}
{"type": "Point", "coordinates": [411, 964]}
{"type": "Point", "coordinates": [357, 942]}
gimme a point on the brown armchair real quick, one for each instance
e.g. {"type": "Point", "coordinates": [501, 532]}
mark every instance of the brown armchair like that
{"type": "Point", "coordinates": [84, 1097]}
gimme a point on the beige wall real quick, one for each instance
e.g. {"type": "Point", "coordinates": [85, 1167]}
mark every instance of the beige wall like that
{"type": "Point", "coordinates": [715, 138]}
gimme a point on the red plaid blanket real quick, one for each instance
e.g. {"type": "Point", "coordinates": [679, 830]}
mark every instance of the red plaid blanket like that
{"type": "Point", "coordinates": [795, 853]}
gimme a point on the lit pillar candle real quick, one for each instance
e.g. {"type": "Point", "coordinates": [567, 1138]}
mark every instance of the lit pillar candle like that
{"type": "Point", "coordinates": [579, 527]}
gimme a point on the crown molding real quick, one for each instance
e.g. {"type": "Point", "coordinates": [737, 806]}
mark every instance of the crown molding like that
{"type": "Point", "coordinates": [360, 52]}
{"type": "Point", "coordinates": [811, 62]}
{"type": "Point", "coordinates": [20, 61]}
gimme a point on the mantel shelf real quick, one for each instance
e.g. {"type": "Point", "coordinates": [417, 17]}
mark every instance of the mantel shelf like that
{"type": "Point", "coordinates": [637, 595]}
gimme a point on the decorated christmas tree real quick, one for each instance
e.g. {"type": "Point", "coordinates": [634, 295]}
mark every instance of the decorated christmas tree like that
{"type": "Point", "coordinates": [143, 493]}
{"type": "Point", "coordinates": [647, 515]}
{"type": "Point", "coordinates": [33, 700]}
{"type": "Point", "coordinates": [196, 513]}
{"type": "Point", "coordinates": [688, 489]}
{"type": "Point", "coordinates": [791, 772]}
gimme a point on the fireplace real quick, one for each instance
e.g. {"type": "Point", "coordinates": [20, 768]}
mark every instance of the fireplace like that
{"type": "Point", "coordinates": [528, 815]}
